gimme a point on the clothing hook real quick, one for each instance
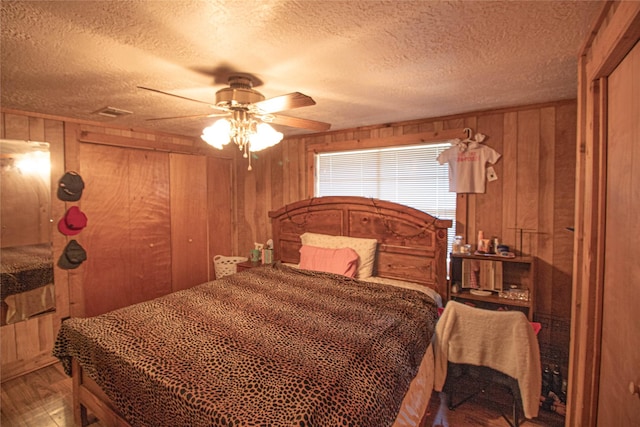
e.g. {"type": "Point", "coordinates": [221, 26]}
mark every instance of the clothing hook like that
{"type": "Point", "coordinates": [468, 131]}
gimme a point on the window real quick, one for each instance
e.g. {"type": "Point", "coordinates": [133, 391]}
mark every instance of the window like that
{"type": "Point", "coordinates": [409, 175]}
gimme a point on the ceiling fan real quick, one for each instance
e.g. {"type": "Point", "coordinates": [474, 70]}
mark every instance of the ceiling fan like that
{"type": "Point", "coordinates": [249, 115]}
{"type": "Point", "coordinates": [241, 97]}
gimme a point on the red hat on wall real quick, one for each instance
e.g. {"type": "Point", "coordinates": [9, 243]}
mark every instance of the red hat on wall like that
{"type": "Point", "coordinates": [73, 222]}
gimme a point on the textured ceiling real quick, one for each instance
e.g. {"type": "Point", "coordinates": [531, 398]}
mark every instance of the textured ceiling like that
{"type": "Point", "coordinates": [363, 62]}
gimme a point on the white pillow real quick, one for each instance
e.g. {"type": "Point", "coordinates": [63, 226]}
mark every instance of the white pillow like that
{"type": "Point", "coordinates": [365, 248]}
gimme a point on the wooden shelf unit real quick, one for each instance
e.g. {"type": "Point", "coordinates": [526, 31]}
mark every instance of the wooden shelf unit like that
{"type": "Point", "coordinates": [519, 271]}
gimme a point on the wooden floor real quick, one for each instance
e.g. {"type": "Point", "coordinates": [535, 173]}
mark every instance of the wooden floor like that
{"type": "Point", "coordinates": [43, 399]}
{"type": "Point", "coordinates": [485, 409]}
{"type": "Point", "coordinates": [40, 399]}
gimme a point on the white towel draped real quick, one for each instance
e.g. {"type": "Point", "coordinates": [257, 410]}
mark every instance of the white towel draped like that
{"type": "Point", "coordinates": [501, 340]}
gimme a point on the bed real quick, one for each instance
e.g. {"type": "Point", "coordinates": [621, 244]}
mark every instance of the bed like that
{"type": "Point", "coordinates": [26, 281]}
{"type": "Point", "coordinates": [279, 344]}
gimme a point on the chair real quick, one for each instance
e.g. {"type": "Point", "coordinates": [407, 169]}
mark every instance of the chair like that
{"type": "Point", "coordinates": [495, 347]}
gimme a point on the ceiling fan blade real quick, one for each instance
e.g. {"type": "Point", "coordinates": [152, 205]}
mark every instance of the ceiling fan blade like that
{"type": "Point", "coordinates": [300, 123]}
{"type": "Point", "coordinates": [284, 102]}
{"type": "Point", "coordinates": [192, 116]}
{"type": "Point", "coordinates": [177, 96]}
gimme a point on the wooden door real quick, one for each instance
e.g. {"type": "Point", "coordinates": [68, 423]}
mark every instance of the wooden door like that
{"type": "Point", "coordinates": [127, 238]}
{"type": "Point", "coordinates": [620, 362]}
{"type": "Point", "coordinates": [189, 232]}
{"type": "Point", "coordinates": [149, 225]}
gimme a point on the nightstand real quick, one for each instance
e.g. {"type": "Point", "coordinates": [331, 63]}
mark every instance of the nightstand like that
{"type": "Point", "coordinates": [249, 264]}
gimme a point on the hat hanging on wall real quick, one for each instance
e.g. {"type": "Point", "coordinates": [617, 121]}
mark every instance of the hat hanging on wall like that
{"type": "Point", "coordinates": [72, 222]}
{"type": "Point", "coordinates": [72, 256]}
{"type": "Point", "coordinates": [70, 187]}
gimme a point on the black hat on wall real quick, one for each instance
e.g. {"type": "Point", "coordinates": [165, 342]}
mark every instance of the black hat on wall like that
{"type": "Point", "coordinates": [72, 256]}
{"type": "Point", "coordinates": [70, 187]}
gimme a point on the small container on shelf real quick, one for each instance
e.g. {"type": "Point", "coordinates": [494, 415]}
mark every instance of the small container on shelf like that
{"type": "Point", "coordinates": [458, 244]}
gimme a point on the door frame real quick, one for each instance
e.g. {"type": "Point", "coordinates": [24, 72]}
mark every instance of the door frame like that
{"type": "Point", "coordinates": [613, 35]}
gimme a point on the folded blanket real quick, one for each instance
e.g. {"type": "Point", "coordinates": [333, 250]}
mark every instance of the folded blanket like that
{"type": "Point", "coordinates": [501, 340]}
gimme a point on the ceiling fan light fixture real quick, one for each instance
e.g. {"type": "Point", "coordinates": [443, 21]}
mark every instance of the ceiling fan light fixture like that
{"type": "Point", "coordinates": [245, 131]}
{"type": "Point", "coordinates": [218, 134]}
{"type": "Point", "coordinates": [265, 137]}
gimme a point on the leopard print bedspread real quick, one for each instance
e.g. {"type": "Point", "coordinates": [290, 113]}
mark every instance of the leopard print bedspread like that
{"type": "Point", "coordinates": [23, 268]}
{"type": "Point", "coordinates": [270, 346]}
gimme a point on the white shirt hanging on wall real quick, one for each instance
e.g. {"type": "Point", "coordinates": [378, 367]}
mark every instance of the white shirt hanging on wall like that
{"type": "Point", "coordinates": [467, 164]}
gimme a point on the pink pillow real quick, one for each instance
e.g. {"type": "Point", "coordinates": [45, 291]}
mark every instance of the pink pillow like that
{"type": "Point", "coordinates": [339, 261]}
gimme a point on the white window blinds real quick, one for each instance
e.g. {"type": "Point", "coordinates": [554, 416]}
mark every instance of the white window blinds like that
{"type": "Point", "coordinates": [409, 175]}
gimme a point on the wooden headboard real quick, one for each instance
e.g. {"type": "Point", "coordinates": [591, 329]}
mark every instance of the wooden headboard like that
{"type": "Point", "coordinates": [412, 245]}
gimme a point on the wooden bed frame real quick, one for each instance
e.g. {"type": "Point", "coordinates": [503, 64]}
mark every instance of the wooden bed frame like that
{"type": "Point", "coordinates": [412, 246]}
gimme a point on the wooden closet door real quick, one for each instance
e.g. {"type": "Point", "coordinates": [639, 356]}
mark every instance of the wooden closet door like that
{"type": "Point", "coordinates": [149, 225]}
{"type": "Point", "coordinates": [620, 362]}
{"type": "Point", "coordinates": [127, 238]}
{"type": "Point", "coordinates": [189, 232]}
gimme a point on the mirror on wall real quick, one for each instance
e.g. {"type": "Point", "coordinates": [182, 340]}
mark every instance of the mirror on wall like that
{"type": "Point", "coordinates": [26, 258]}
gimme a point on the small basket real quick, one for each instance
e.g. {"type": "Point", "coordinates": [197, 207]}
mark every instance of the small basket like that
{"type": "Point", "coordinates": [227, 265]}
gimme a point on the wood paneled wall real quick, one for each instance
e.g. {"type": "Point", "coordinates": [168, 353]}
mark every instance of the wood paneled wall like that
{"type": "Point", "coordinates": [535, 189]}
{"type": "Point", "coordinates": [27, 345]}
{"type": "Point", "coordinates": [534, 192]}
